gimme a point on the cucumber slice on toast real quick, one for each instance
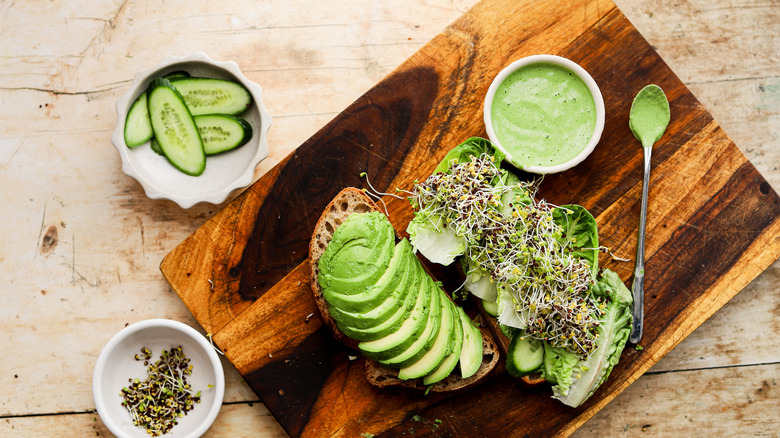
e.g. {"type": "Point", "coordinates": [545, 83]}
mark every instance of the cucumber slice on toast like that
{"type": "Point", "coordinates": [174, 128]}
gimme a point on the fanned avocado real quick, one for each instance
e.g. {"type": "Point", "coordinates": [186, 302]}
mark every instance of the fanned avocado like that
{"type": "Point", "coordinates": [376, 294]}
{"type": "Point", "coordinates": [388, 316]}
{"type": "Point", "coordinates": [425, 341]}
{"type": "Point", "coordinates": [399, 340]}
{"type": "Point", "coordinates": [442, 346]}
{"type": "Point", "coordinates": [456, 344]}
{"type": "Point", "coordinates": [394, 311]}
{"type": "Point", "coordinates": [358, 255]}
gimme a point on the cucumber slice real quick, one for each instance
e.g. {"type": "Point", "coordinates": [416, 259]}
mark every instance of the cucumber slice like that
{"type": "Point", "coordinates": [174, 128]}
{"type": "Point", "coordinates": [138, 128]}
{"type": "Point", "coordinates": [156, 147]}
{"type": "Point", "coordinates": [213, 96]}
{"type": "Point", "coordinates": [491, 307]}
{"type": "Point", "coordinates": [222, 132]}
{"type": "Point", "coordinates": [525, 356]}
{"type": "Point", "coordinates": [177, 74]}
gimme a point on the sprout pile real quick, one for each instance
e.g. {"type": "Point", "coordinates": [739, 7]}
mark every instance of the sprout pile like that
{"type": "Point", "coordinates": [513, 238]}
{"type": "Point", "coordinates": [157, 402]}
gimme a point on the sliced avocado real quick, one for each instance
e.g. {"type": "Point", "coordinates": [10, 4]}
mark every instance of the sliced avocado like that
{"type": "Point", "coordinates": [367, 327]}
{"type": "Point", "coordinates": [441, 346]}
{"type": "Point", "coordinates": [398, 341]}
{"type": "Point", "coordinates": [471, 354]}
{"type": "Point", "coordinates": [358, 254]}
{"type": "Point", "coordinates": [395, 296]}
{"type": "Point", "coordinates": [376, 294]}
{"type": "Point", "coordinates": [451, 360]}
{"type": "Point", "coordinates": [423, 343]}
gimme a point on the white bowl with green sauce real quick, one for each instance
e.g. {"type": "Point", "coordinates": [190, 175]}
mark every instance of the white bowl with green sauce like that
{"type": "Point", "coordinates": [545, 112]}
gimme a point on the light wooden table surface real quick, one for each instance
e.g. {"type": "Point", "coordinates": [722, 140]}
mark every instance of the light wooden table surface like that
{"type": "Point", "coordinates": [80, 244]}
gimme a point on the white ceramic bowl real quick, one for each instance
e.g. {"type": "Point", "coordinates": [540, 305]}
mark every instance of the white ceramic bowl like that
{"type": "Point", "coordinates": [116, 364]}
{"type": "Point", "coordinates": [576, 69]}
{"type": "Point", "coordinates": [224, 172]}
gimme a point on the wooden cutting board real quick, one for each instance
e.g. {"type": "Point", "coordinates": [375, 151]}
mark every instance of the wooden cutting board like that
{"type": "Point", "coordinates": [713, 224]}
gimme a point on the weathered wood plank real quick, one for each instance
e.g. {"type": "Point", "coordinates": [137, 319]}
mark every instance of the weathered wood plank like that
{"type": "Point", "coordinates": [708, 402]}
{"type": "Point", "coordinates": [234, 420]}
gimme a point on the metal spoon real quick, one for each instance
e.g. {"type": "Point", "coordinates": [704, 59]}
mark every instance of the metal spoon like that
{"type": "Point", "coordinates": [648, 120]}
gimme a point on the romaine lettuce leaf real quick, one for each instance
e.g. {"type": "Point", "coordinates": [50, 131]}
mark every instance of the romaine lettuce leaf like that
{"type": "Point", "coordinates": [478, 281]}
{"type": "Point", "coordinates": [474, 146]}
{"type": "Point", "coordinates": [575, 381]}
{"type": "Point", "coordinates": [559, 366]}
{"type": "Point", "coordinates": [438, 243]}
{"type": "Point", "coordinates": [580, 233]}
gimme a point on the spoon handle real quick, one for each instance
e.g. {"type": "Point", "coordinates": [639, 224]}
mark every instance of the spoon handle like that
{"type": "Point", "coordinates": [638, 287]}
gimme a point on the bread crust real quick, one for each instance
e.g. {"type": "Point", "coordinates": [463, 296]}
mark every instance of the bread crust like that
{"type": "Point", "coordinates": [349, 201]}
{"type": "Point", "coordinates": [383, 376]}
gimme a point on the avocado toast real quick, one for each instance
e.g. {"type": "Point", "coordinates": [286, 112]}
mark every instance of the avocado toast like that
{"type": "Point", "coordinates": [376, 297]}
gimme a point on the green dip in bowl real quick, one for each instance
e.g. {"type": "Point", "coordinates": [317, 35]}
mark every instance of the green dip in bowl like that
{"type": "Point", "coordinates": [545, 112]}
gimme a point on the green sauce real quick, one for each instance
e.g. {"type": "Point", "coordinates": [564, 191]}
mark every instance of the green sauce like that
{"type": "Point", "coordinates": [543, 115]}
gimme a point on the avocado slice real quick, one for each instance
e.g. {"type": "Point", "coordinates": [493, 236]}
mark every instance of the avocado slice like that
{"type": "Point", "coordinates": [471, 353]}
{"type": "Point", "coordinates": [381, 290]}
{"type": "Point", "coordinates": [395, 295]}
{"type": "Point", "coordinates": [402, 300]}
{"type": "Point", "coordinates": [358, 254]}
{"type": "Point", "coordinates": [451, 360]}
{"type": "Point", "coordinates": [399, 340]}
{"type": "Point", "coordinates": [425, 341]}
{"type": "Point", "coordinates": [441, 346]}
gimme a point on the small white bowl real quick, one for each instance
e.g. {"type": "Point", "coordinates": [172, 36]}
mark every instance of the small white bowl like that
{"type": "Point", "coordinates": [569, 65]}
{"type": "Point", "coordinates": [116, 364]}
{"type": "Point", "coordinates": [224, 172]}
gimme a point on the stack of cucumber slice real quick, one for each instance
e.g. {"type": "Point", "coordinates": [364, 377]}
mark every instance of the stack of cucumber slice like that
{"type": "Point", "coordinates": [188, 118]}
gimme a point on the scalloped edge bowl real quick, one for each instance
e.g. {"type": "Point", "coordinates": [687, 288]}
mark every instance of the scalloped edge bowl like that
{"type": "Point", "coordinates": [224, 172]}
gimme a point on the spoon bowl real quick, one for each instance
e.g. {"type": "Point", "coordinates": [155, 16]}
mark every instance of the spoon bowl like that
{"type": "Point", "coordinates": [650, 115]}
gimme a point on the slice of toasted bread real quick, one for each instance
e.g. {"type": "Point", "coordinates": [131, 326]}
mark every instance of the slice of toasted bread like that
{"type": "Point", "coordinates": [350, 201]}
{"type": "Point", "coordinates": [346, 202]}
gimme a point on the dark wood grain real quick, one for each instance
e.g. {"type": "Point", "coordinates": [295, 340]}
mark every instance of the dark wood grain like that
{"type": "Point", "coordinates": [713, 225]}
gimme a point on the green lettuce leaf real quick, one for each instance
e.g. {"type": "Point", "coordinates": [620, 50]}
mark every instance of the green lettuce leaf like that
{"type": "Point", "coordinates": [438, 243]}
{"type": "Point", "coordinates": [474, 146]}
{"type": "Point", "coordinates": [580, 233]}
{"type": "Point", "coordinates": [575, 381]}
{"type": "Point", "coordinates": [559, 366]}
